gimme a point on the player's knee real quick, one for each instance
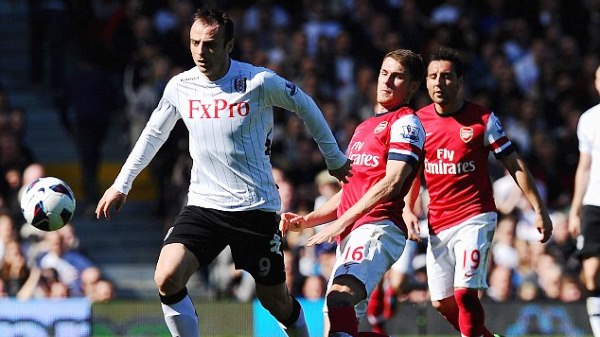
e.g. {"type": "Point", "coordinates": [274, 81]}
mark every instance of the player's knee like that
{"type": "Point", "coordinates": [437, 305]}
{"type": "Point", "coordinates": [166, 282]}
{"type": "Point", "coordinates": [346, 290]}
{"type": "Point", "coordinates": [338, 299]}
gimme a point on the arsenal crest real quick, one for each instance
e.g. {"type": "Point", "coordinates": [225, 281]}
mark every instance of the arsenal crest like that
{"type": "Point", "coordinates": [239, 84]}
{"type": "Point", "coordinates": [381, 127]}
{"type": "Point", "coordinates": [466, 134]}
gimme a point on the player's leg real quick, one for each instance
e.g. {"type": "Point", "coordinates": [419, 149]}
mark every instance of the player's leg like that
{"type": "Point", "coordinates": [590, 220]}
{"type": "Point", "coordinates": [471, 247]}
{"type": "Point", "coordinates": [257, 248]}
{"type": "Point", "coordinates": [175, 266]}
{"type": "Point", "coordinates": [193, 241]}
{"type": "Point", "coordinates": [345, 291]}
{"type": "Point", "coordinates": [362, 260]}
{"type": "Point", "coordinates": [591, 273]}
{"type": "Point", "coordinates": [382, 302]}
{"type": "Point", "coordinates": [445, 266]}
{"type": "Point", "coordinates": [284, 307]}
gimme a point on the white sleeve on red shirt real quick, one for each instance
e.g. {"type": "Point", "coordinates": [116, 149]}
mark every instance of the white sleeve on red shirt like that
{"type": "Point", "coordinates": [496, 138]}
{"type": "Point", "coordinates": [407, 138]}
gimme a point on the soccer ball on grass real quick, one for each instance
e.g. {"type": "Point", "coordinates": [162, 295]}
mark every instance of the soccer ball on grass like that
{"type": "Point", "coordinates": [48, 203]}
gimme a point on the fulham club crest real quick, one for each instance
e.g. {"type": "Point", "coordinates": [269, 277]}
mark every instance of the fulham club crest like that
{"type": "Point", "coordinates": [239, 84]}
{"type": "Point", "coordinates": [466, 134]}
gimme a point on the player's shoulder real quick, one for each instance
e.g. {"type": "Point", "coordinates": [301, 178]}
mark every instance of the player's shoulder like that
{"type": "Point", "coordinates": [189, 75]}
{"type": "Point", "coordinates": [405, 113]}
{"type": "Point", "coordinates": [425, 110]}
{"type": "Point", "coordinates": [592, 113]}
{"type": "Point", "coordinates": [476, 109]}
{"type": "Point", "coordinates": [240, 66]}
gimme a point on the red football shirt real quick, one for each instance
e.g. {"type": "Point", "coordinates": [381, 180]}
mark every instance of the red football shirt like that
{"type": "Point", "coordinates": [395, 135]}
{"type": "Point", "coordinates": [456, 162]}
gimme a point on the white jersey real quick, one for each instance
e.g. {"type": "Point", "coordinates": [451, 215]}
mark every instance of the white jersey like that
{"type": "Point", "coordinates": [230, 124]}
{"type": "Point", "coordinates": [588, 134]}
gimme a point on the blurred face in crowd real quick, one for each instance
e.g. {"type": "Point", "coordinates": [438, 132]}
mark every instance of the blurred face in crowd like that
{"type": "Point", "coordinates": [443, 86]}
{"type": "Point", "coordinates": [209, 49]}
{"type": "Point", "coordinates": [394, 85]}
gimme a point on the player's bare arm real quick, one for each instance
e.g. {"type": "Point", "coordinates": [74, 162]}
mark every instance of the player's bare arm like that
{"type": "Point", "coordinates": [518, 170]}
{"type": "Point", "coordinates": [410, 211]}
{"type": "Point", "coordinates": [386, 188]}
{"type": "Point", "coordinates": [111, 197]}
{"type": "Point", "coordinates": [343, 173]}
{"type": "Point", "coordinates": [582, 178]}
{"type": "Point", "coordinates": [324, 214]}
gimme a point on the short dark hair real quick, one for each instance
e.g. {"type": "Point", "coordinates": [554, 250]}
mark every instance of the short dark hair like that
{"type": "Point", "coordinates": [411, 61]}
{"type": "Point", "coordinates": [450, 55]}
{"type": "Point", "coordinates": [216, 16]}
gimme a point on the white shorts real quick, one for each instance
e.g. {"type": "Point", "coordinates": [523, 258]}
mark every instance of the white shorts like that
{"type": "Point", "coordinates": [457, 257]}
{"type": "Point", "coordinates": [404, 264]}
{"type": "Point", "coordinates": [367, 253]}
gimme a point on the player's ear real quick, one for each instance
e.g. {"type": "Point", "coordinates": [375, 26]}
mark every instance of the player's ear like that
{"type": "Point", "coordinates": [414, 87]}
{"type": "Point", "coordinates": [229, 46]}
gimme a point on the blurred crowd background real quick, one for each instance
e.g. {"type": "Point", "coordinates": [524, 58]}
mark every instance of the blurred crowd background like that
{"type": "Point", "coordinates": [531, 62]}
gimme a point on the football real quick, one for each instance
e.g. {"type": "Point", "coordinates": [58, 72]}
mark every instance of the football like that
{"type": "Point", "coordinates": [48, 203]}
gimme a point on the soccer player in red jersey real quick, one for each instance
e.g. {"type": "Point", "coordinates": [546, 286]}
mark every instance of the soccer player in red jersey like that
{"type": "Point", "coordinates": [462, 214]}
{"type": "Point", "coordinates": [366, 215]}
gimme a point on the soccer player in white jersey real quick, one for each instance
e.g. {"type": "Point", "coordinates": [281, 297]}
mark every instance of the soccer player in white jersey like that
{"type": "Point", "coordinates": [386, 151]}
{"type": "Point", "coordinates": [584, 216]}
{"type": "Point", "coordinates": [462, 215]}
{"type": "Point", "coordinates": [226, 106]}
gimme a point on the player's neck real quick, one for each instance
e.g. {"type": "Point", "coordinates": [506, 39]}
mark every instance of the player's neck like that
{"type": "Point", "coordinates": [380, 109]}
{"type": "Point", "coordinates": [222, 72]}
{"type": "Point", "coordinates": [449, 109]}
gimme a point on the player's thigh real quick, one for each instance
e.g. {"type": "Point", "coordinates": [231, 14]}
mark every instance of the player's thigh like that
{"type": "Point", "coordinates": [256, 247]}
{"type": "Point", "coordinates": [457, 256]}
{"type": "Point", "coordinates": [590, 231]}
{"type": "Point", "coordinates": [175, 266]}
{"type": "Point", "coordinates": [201, 231]}
{"type": "Point", "coordinates": [367, 254]}
{"type": "Point", "coordinates": [471, 249]}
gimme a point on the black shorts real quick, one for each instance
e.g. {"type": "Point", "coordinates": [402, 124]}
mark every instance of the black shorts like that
{"type": "Point", "coordinates": [590, 229]}
{"type": "Point", "coordinates": [253, 236]}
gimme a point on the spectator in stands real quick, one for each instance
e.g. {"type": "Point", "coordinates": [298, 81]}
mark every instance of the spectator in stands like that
{"type": "Point", "coordinates": [8, 231]}
{"type": "Point", "coordinates": [500, 284]}
{"type": "Point", "coordinates": [68, 263]}
{"type": "Point", "coordinates": [14, 270]}
{"type": "Point", "coordinates": [95, 288]}
{"type": "Point", "coordinates": [313, 287]}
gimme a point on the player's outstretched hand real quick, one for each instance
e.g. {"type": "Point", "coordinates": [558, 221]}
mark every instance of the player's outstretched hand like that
{"type": "Point", "coordinates": [543, 223]}
{"type": "Point", "coordinates": [328, 234]}
{"type": "Point", "coordinates": [291, 222]}
{"type": "Point", "coordinates": [111, 197]}
{"type": "Point", "coordinates": [343, 173]}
